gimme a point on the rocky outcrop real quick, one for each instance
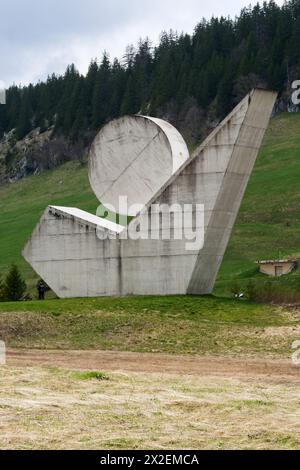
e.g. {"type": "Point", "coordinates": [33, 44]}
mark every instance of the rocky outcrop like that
{"type": "Point", "coordinates": [37, 152]}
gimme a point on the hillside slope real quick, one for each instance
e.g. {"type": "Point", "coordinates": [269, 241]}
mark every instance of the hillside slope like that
{"type": "Point", "coordinates": [268, 224]}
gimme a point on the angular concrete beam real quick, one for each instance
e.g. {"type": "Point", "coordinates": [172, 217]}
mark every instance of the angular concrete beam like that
{"type": "Point", "coordinates": [232, 191]}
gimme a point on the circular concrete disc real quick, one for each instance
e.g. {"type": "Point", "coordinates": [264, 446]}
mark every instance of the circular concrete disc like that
{"type": "Point", "coordinates": [133, 157]}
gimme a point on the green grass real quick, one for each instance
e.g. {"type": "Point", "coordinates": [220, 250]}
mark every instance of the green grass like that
{"type": "Point", "coordinates": [174, 325]}
{"type": "Point", "coordinates": [185, 307]}
{"type": "Point", "coordinates": [268, 225]}
{"type": "Point", "coordinates": [100, 376]}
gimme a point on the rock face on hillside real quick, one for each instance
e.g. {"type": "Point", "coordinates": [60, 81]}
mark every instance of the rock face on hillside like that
{"type": "Point", "coordinates": [38, 151]}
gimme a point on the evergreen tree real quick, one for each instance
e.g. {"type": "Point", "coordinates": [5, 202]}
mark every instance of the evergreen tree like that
{"type": "Point", "coordinates": [118, 85]}
{"type": "Point", "coordinates": [24, 120]}
{"type": "Point", "coordinates": [14, 286]}
{"type": "Point", "coordinates": [141, 74]}
{"type": "Point", "coordinates": [130, 103]}
{"type": "Point", "coordinates": [101, 105]}
{"type": "Point", "coordinates": [80, 122]}
{"type": "Point", "coordinates": [66, 107]}
{"type": "Point", "coordinates": [90, 83]}
{"type": "Point", "coordinates": [224, 96]}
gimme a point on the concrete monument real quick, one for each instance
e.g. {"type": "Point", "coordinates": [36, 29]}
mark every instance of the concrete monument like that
{"type": "Point", "coordinates": [182, 208]}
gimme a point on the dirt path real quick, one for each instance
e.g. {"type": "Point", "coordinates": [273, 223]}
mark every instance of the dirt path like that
{"type": "Point", "coordinates": [111, 361]}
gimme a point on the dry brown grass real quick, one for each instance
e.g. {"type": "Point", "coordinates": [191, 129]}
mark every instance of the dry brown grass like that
{"type": "Point", "coordinates": [44, 408]}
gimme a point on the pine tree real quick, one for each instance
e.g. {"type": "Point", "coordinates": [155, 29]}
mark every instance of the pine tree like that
{"type": "Point", "coordinates": [90, 83]}
{"type": "Point", "coordinates": [118, 85]}
{"type": "Point", "coordinates": [80, 122]}
{"type": "Point", "coordinates": [101, 107]}
{"type": "Point", "coordinates": [130, 103]}
{"type": "Point", "coordinates": [224, 96]}
{"type": "Point", "coordinates": [142, 72]}
{"type": "Point", "coordinates": [24, 120]}
{"type": "Point", "coordinates": [66, 107]}
{"type": "Point", "coordinates": [14, 286]}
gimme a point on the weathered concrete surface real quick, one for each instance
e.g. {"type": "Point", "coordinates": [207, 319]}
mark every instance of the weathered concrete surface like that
{"type": "Point", "coordinates": [134, 156]}
{"type": "Point", "coordinates": [67, 252]}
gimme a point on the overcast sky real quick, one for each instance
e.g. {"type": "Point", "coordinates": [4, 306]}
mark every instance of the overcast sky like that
{"type": "Point", "coordinates": [38, 37]}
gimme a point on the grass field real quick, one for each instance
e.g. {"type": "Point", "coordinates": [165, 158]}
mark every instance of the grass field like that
{"type": "Point", "coordinates": [268, 224]}
{"type": "Point", "coordinates": [47, 408]}
{"type": "Point", "coordinates": [175, 325]}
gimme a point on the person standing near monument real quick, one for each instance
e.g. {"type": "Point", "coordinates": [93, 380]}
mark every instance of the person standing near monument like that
{"type": "Point", "coordinates": [41, 287]}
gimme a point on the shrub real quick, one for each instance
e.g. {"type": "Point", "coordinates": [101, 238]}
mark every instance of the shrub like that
{"type": "Point", "coordinates": [274, 293]}
{"type": "Point", "coordinates": [14, 285]}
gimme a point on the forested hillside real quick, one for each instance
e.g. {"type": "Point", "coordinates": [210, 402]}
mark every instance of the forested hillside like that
{"type": "Point", "coordinates": [191, 80]}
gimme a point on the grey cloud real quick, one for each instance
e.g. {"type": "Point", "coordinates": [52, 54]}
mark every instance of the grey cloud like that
{"type": "Point", "coordinates": [38, 37]}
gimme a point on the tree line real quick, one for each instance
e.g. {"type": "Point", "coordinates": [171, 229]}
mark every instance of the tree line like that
{"type": "Point", "coordinates": [214, 67]}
